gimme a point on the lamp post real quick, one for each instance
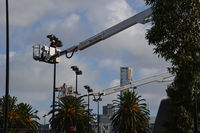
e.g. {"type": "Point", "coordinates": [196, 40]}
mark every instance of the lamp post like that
{"type": "Point", "coordinates": [77, 72]}
{"type": "Point", "coordinates": [87, 87]}
{"type": "Point", "coordinates": [195, 105]}
{"type": "Point", "coordinates": [6, 104]}
{"type": "Point", "coordinates": [97, 100]}
{"type": "Point", "coordinates": [54, 95]}
{"type": "Point", "coordinates": [55, 42]}
{"type": "Point", "coordinates": [44, 116]}
{"type": "Point", "coordinates": [195, 113]}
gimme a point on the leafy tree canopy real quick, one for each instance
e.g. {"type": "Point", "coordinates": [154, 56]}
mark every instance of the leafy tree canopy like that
{"type": "Point", "coordinates": [175, 35]}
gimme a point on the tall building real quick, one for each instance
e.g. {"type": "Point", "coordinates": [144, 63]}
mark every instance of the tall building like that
{"type": "Point", "coordinates": [104, 119]}
{"type": "Point", "coordinates": [108, 110]}
{"type": "Point", "coordinates": [126, 76]}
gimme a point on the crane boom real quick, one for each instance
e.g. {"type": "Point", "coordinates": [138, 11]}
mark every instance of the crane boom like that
{"type": "Point", "coordinates": [138, 18]}
{"type": "Point", "coordinates": [41, 53]}
{"type": "Point", "coordinates": [112, 90]}
{"type": "Point", "coordinates": [156, 78]}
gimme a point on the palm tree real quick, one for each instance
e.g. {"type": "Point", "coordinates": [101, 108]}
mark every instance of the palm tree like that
{"type": "Point", "coordinates": [65, 115]}
{"type": "Point", "coordinates": [132, 114]}
{"type": "Point", "coordinates": [27, 118]}
{"type": "Point", "coordinates": [21, 117]}
{"type": "Point", "coordinates": [11, 111]}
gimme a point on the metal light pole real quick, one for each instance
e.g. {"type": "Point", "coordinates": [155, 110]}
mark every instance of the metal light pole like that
{"type": "Point", "coordinates": [77, 72]}
{"type": "Point", "coordinates": [87, 87]}
{"type": "Point", "coordinates": [7, 71]}
{"type": "Point", "coordinates": [55, 42]}
{"type": "Point", "coordinates": [195, 104]}
{"type": "Point", "coordinates": [54, 95]}
{"type": "Point", "coordinates": [44, 116]}
{"type": "Point", "coordinates": [195, 113]}
{"type": "Point", "coordinates": [97, 100]}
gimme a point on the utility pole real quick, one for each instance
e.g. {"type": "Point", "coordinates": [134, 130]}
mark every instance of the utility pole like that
{"type": "Point", "coordinates": [77, 72]}
{"type": "Point", "coordinates": [7, 71]}
{"type": "Point", "coordinates": [87, 87]}
{"type": "Point", "coordinates": [97, 100]}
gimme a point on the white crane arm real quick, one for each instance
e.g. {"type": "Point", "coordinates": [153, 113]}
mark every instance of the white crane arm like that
{"type": "Point", "coordinates": [156, 78]}
{"type": "Point", "coordinates": [141, 17]}
{"type": "Point", "coordinates": [138, 18]}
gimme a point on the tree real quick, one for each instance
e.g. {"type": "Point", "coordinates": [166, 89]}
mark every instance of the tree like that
{"type": "Point", "coordinates": [21, 117]}
{"type": "Point", "coordinates": [11, 110]}
{"type": "Point", "coordinates": [65, 115]}
{"type": "Point", "coordinates": [175, 35]}
{"type": "Point", "coordinates": [132, 114]}
{"type": "Point", "coordinates": [27, 117]}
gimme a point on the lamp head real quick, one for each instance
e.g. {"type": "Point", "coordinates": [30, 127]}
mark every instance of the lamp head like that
{"type": "Point", "coordinates": [87, 87]}
{"type": "Point", "coordinates": [90, 90]}
{"type": "Point", "coordinates": [55, 42]}
{"type": "Point", "coordinates": [79, 72]}
{"type": "Point", "coordinates": [95, 100]}
{"type": "Point", "coordinates": [74, 68]}
{"type": "Point", "coordinates": [100, 94]}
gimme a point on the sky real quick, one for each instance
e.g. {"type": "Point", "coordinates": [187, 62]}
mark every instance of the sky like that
{"type": "Point", "coordinates": [73, 21]}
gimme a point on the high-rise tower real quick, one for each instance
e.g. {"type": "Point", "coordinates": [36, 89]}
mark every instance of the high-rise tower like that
{"type": "Point", "coordinates": [126, 76]}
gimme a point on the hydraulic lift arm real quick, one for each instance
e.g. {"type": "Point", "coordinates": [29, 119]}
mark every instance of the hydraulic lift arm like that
{"type": "Point", "coordinates": [141, 17]}
{"type": "Point", "coordinates": [157, 78]}
{"type": "Point", "coordinates": [47, 56]}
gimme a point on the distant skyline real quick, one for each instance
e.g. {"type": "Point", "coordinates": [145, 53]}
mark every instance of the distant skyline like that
{"type": "Point", "coordinates": [74, 21]}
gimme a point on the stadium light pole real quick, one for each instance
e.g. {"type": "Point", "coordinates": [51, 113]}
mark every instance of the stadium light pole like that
{"type": "Point", "coordinates": [97, 100]}
{"type": "Point", "coordinates": [195, 105]}
{"type": "Point", "coordinates": [7, 71]}
{"type": "Point", "coordinates": [77, 72]}
{"type": "Point", "coordinates": [54, 95]}
{"type": "Point", "coordinates": [195, 113]}
{"type": "Point", "coordinates": [44, 116]}
{"type": "Point", "coordinates": [55, 42]}
{"type": "Point", "coordinates": [87, 87]}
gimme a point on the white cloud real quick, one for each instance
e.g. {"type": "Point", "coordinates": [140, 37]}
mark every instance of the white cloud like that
{"type": "Point", "coordinates": [104, 16]}
{"type": "Point", "coordinates": [3, 12]}
{"type": "Point", "coordinates": [114, 82]}
{"type": "Point", "coordinates": [144, 72]}
{"type": "Point", "coordinates": [68, 29]}
{"type": "Point", "coordinates": [69, 24]}
{"type": "Point", "coordinates": [113, 64]}
{"type": "Point", "coordinates": [26, 12]}
{"type": "Point", "coordinates": [138, 3]}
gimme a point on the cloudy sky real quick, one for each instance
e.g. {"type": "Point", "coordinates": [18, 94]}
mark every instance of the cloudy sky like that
{"type": "Point", "coordinates": [73, 21]}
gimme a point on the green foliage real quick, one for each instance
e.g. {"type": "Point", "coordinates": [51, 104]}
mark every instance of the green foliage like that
{"type": "Point", "coordinates": [132, 114]}
{"type": "Point", "coordinates": [65, 115]}
{"type": "Point", "coordinates": [21, 117]}
{"type": "Point", "coordinates": [175, 35]}
{"type": "Point", "coordinates": [176, 29]}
